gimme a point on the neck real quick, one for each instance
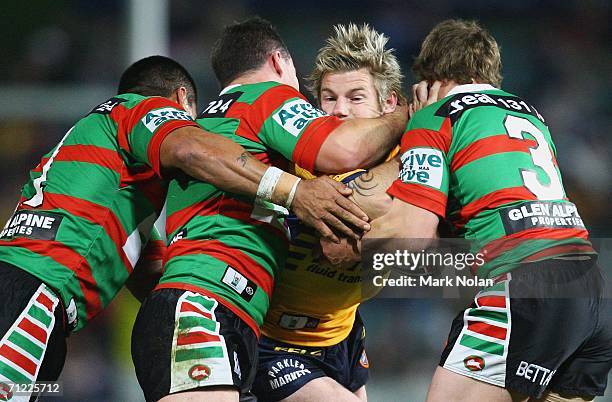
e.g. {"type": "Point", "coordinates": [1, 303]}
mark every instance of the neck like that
{"type": "Point", "coordinates": [255, 77]}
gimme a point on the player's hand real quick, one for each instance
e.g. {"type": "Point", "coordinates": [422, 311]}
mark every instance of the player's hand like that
{"type": "Point", "coordinates": [323, 204]}
{"type": "Point", "coordinates": [347, 253]}
{"type": "Point", "coordinates": [423, 95]}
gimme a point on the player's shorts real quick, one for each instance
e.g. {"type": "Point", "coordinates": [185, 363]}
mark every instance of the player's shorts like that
{"type": "Point", "coordinates": [285, 368]}
{"type": "Point", "coordinates": [543, 326]}
{"type": "Point", "coordinates": [185, 341]}
{"type": "Point", "coordinates": [32, 330]}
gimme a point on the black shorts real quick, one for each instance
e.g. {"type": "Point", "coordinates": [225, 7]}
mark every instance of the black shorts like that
{"type": "Point", "coordinates": [544, 326]}
{"type": "Point", "coordinates": [32, 331]}
{"type": "Point", "coordinates": [184, 341]}
{"type": "Point", "coordinates": [285, 368]}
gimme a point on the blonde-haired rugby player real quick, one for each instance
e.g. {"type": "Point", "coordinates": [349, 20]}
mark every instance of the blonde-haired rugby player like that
{"type": "Point", "coordinates": [312, 348]}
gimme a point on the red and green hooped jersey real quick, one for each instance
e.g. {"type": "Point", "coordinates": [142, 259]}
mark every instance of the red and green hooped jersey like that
{"type": "Point", "coordinates": [492, 153]}
{"type": "Point", "coordinates": [223, 244]}
{"type": "Point", "coordinates": [90, 204]}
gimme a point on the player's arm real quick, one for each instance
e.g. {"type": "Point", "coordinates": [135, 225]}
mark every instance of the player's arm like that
{"type": "Point", "coordinates": [321, 143]}
{"type": "Point", "coordinates": [370, 194]}
{"type": "Point", "coordinates": [361, 143]}
{"type": "Point", "coordinates": [370, 188]}
{"type": "Point", "coordinates": [175, 142]}
{"type": "Point", "coordinates": [420, 193]}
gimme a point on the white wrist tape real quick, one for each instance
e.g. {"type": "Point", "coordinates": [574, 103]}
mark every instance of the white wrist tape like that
{"type": "Point", "coordinates": [292, 194]}
{"type": "Point", "coordinates": [268, 183]}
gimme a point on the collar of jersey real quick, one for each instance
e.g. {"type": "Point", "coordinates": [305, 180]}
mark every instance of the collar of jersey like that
{"type": "Point", "coordinates": [227, 88]}
{"type": "Point", "coordinates": [469, 88]}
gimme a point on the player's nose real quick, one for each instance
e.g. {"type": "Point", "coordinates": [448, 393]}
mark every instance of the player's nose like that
{"type": "Point", "coordinates": [341, 108]}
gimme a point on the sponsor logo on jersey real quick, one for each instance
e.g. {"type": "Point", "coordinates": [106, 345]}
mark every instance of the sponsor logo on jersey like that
{"type": "Point", "coordinates": [156, 118]}
{"type": "Point", "coordinates": [199, 372]}
{"type": "Point", "coordinates": [295, 115]}
{"type": "Point", "coordinates": [423, 166]}
{"type": "Point", "coordinates": [240, 283]}
{"type": "Point", "coordinates": [363, 360]}
{"type": "Point", "coordinates": [460, 103]}
{"type": "Point", "coordinates": [535, 373]}
{"type": "Point", "coordinates": [286, 371]}
{"type": "Point", "coordinates": [32, 224]}
{"type": "Point", "coordinates": [299, 351]}
{"type": "Point", "coordinates": [540, 214]}
{"type": "Point", "coordinates": [108, 106]}
{"type": "Point", "coordinates": [474, 363]}
{"type": "Point", "coordinates": [289, 321]}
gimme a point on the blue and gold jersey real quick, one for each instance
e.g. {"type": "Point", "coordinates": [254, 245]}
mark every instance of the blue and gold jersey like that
{"type": "Point", "coordinates": [314, 303]}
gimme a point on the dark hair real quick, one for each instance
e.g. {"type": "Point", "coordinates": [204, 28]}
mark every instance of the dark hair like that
{"type": "Point", "coordinates": [157, 76]}
{"type": "Point", "coordinates": [459, 50]}
{"type": "Point", "coordinates": [244, 47]}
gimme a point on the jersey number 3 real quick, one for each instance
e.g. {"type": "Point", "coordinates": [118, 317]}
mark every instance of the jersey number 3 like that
{"type": "Point", "coordinates": [542, 157]}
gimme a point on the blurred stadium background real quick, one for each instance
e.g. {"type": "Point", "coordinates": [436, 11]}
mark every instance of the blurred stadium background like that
{"type": "Point", "coordinates": [60, 58]}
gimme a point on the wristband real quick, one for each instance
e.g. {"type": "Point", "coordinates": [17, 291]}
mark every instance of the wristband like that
{"type": "Point", "coordinates": [268, 183]}
{"type": "Point", "coordinates": [292, 194]}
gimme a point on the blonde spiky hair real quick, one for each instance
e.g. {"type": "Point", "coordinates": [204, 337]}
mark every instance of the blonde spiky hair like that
{"type": "Point", "coordinates": [352, 48]}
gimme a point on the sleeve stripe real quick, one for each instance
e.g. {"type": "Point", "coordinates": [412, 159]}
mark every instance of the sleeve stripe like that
{"type": "Point", "coordinates": [422, 137]}
{"type": "Point", "coordinates": [159, 136]}
{"type": "Point", "coordinates": [311, 140]}
{"type": "Point", "coordinates": [127, 119]}
{"type": "Point", "coordinates": [419, 196]}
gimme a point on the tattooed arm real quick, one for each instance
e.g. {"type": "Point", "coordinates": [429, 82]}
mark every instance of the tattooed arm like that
{"type": "Point", "coordinates": [370, 189]}
{"type": "Point", "coordinates": [370, 194]}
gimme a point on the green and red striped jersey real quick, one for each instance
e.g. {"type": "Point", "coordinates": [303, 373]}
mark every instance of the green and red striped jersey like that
{"type": "Point", "coordinates": [89, 206]}
{"type": "Point", "coordinates": [225, 245]}
{"type": "Point", "coordinates": [491, 152]}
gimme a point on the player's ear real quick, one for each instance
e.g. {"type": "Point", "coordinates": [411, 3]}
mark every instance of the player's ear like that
{"type": "Point", "coordinates": [182, 98]}
{"type": "Point", "coordinates": [390, 103]}
{"type": "Point", "coordinates": [276, 62]}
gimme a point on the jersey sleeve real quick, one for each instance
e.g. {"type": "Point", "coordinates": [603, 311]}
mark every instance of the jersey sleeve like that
{"type": "Point", "coordinates": [144, 127]}
{"type": "Point", "coordinates": [424, 173]}
{"type": "Point", "coordinates": [291, 125]}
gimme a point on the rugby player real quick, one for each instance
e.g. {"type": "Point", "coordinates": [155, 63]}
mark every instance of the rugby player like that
{"type": "Point", "coordinates": [543, 331]}
{"type": "Point", "coordinates": [312, 347]}
{"type": "Point", "coordinates": [90, 204]}
{"type": "Point", "coordinates": [225, 251]}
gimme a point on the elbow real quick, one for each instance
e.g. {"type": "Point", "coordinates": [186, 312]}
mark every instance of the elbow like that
{"type": "Point", "coordinates": [190, 154]}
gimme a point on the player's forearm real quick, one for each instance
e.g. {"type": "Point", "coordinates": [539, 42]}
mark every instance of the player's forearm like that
{"type": "Point", "coordinates": [360, 143]}
{"type": "Point", "coordinates": [370, 189]}
{"type": "Point", "coordinates": [404, 220]}
{"type": "Point", "coordinates": [213, 159]}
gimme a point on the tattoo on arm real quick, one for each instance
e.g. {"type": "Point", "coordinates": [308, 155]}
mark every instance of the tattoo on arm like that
{"type": "Point", "coordinates": [243, 158]}
{"type": "Point", "coordinates": [364, 185]}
